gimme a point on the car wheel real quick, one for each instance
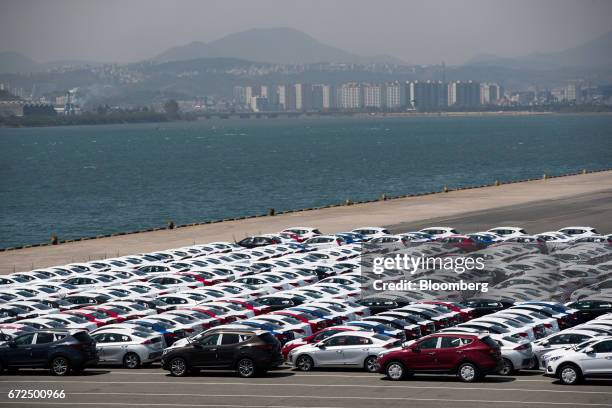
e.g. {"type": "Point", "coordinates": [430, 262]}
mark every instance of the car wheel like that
{"type": "Point", "coordinates": [246, 368]}
{"type": "Point", "coordinates": [569, 374]}
{"type": "Point", "coordinates": [131, 360]}
{"type": "Point", "coordinates": [60, 366]}
{"type": "Point", "coordinates": [507, 367]}
{"type": "Point", "coordinates": [178, 367]}
{"type": "Point", "coordinates": [304, 363]}
{"type": "Point", "coordinates": [468, 372]}
{"type": "Point", "coordinates": [371, 364]}
{"type": "Point", "coordinates": [395, 371]}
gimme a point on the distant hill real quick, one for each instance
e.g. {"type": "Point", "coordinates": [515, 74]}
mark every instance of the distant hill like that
{"type": "Point", "coordinates": [273, 45]}
{"type": "Point", "coordinates": [13, 62]}
{"type": "Point", "coordinates": [593, 54]}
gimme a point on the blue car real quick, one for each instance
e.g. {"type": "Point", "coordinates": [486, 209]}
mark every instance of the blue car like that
{"type": "Point", "coordinates": [350, 237]}
{"type": "Point", "coordinates": [379, 328]}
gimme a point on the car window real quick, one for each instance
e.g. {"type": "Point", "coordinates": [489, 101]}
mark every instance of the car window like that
{"type": "Point", "coordinates": [337, 341]}
{"type": "Point", "coordinates": [43, 338]}
{"type": "Point", "coordinates": [450, 342]}
{"type": "Point", "coordinates": [603, 347]}
{"type": "Point", "coordinates": [25, 339]}
{"type": "Point", "coordinates": [358, 341]}
{"type": "Point", "coordinates": [210, 340]}
{"type": "Point", "coordinates": [429, 343]}
{"type": "Point", "coordinates": [230, 338]}
{"type": "Point", "coordinates": [560, 339]}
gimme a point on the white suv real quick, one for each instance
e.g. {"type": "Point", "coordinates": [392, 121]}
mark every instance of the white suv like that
{"type": "Point", "coordinates": [590, 359]}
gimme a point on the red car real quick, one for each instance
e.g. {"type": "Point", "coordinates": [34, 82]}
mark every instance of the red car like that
{"type": "Point", "coordinates": [252, 305]}
{"type": "Point", "coordinates": [314, 322]}
{"type": "Point", "coordinates": [467, 313]}
{"type": "Point", "coordinates": [313, 338]}
{"type": "Point", "coordinates": [469, 356]}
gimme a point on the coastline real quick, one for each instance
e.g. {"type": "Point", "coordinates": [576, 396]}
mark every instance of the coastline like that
{"type": "Point", "coordinates": [412, 210]}
{"type": "Point", "coordinates": [310, 115]}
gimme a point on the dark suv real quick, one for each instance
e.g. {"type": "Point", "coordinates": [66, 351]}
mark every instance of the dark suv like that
{"type": "Point", "coordinates": [470, 356]}
{"type": "Point", "coordinates": [249, 352]}
{"type": "Point", "coordinates": [60, 350]}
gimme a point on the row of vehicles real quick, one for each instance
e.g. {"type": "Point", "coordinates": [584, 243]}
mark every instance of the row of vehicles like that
{"type": "Point", "coordinates": [250, 307]}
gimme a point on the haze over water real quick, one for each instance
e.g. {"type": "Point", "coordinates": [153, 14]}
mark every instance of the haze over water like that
{"type": "Point", "coordinates": [84, 181]}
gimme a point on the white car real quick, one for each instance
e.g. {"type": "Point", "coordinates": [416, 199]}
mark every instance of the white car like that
{"type": "Point", "coordinates": [371, 232]}
{"type": "Point", "coordinates": [440, 232]}
{"type": "Point", "coordinates": [565, 338]}
{"type": "Point", "coordinates": [590, 359]}
{"type": "Point", "coordinates": [345, 349]}
{"type": "Point", "coordinates": [508, 232]}
{"type": "Point", "coordinates": [299, 234]}
{"type": "Point", "coordinates": [325, 241]}
{"type": "Point", "coordinates": [578, 232]}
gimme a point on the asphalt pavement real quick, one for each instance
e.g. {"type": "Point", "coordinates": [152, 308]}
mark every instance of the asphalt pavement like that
{"type": "Point", "coordinates": [286, 388]}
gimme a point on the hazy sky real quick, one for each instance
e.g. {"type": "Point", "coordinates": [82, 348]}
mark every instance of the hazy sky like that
{"type": "Point", "coordinates": [417, 31]}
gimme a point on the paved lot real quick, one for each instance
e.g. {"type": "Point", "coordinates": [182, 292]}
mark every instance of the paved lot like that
{"type": "Point", "coordinates": [454, 206]}
{"type": "Point", "coordinates": [286, 388]}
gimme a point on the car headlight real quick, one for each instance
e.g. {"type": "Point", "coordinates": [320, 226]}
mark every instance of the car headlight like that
{"type": "Point", "coordinates": [555, 358]}
{"type": "Point", "coordinates": [165, 352]}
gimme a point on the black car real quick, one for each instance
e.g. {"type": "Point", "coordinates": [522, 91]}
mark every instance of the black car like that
{"type": "Point", "coordinates": [590, 309]}
{"type": "Point", "coordinates": [59, 350]}
{"type": "Point", "coordinates": [255, 242]}
{"type": "Point", "coordinates": [282, 301]}
{"type": "Point", "coordinates": [486, 306]}
{"type": "Point", "coordinates": [249, 352]}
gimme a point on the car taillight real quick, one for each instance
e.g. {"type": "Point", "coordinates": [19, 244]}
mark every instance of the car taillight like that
{"type": "Point", "coordinates": [147, 342]}
{"type": "Point", "coordinates": [76, 346]}
{"type": "Point", "coordinates": [389, 345]}
{"type": "Point", "coordinates": [523, 334]}
{"type": "Point", "coordinates": [548, 325]}
{"type": "Point", "coordinates": [523, 346]}
{"type": "Point", "coordinates": [359, 313]}
{"type": "Point", "coordinates": [266, 346]}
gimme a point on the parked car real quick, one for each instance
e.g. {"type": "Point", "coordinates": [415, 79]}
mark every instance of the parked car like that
{"type": "Point", "coordinates": [61, 351]}
{"type": "Point", "coordinates": [249, 352]}
{"type": "Point", "coordinates": [469, 356]}
{"type": "Point", "coordinates": [591, 359]}
{"type": "Point", "coordinates": [129, 347]}
{"type": "Point", "coordinates": [344, 349]}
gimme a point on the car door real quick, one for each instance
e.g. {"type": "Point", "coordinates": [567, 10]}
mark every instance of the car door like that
{"type": "Point", "coordinates": [424, 355]}
{"type": "Point", "coordinates": [449, 352]}
{"type": "Point", "coordinates": [228, 348]}
{"type": "Point", "coordinates": [115, 347]}
{"type": "Point", "coordinates": [332, 352]}
{"type": "Point", "coordinates": [356, 350]}
{"type": "Point", "coordinates": [204, 353]}
{"type": "Point", "coordinates": [599, 361]}
{"type": "Point", "coordinates": [18, 353]}
{"type": "Point", "coordinates": [41, 347]}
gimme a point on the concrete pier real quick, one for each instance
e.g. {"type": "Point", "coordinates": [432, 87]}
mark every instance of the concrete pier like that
{"type": "Point", "coordinates": [538, 205]}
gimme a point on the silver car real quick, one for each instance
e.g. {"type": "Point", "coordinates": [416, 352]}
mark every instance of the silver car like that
{"type": "Point", "coordinates": [346, 349]}
{"type": "Point", "coordinates": [130, 348]}
{"type": "Point", "coordinates": [516, 355]}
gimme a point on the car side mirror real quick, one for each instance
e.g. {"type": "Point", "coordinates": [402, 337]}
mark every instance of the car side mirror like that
{"type": "Point", "coordinates": [589, 350]}
{"type": "Point", "coordinates": [11, 343]}
{"type": "Point", "coordinates": [545, 344]}
{"type": "Point", "coordinates": [321, 345]}
{"type": "Point", "coordinates": [416, 350]}
{"type": "Point", "coordinates": [197, 345]}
